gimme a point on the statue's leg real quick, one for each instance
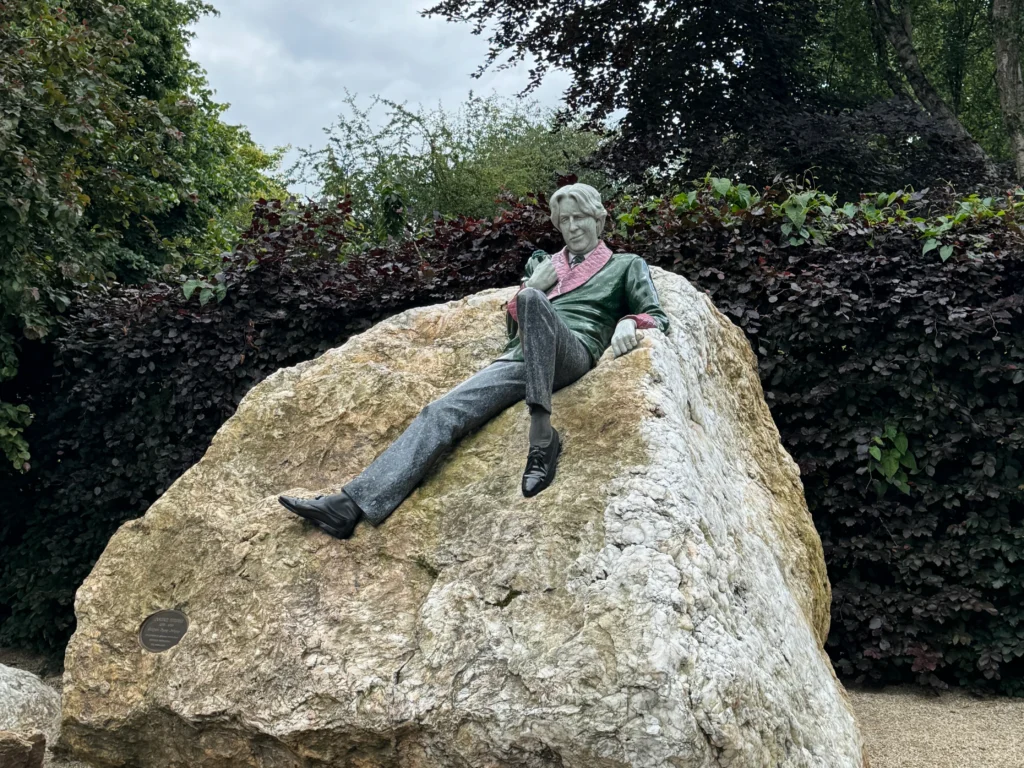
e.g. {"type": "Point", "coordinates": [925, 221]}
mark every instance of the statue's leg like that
{"type": "Point", "coordinates": [393, 475]}
{"type": "Point", "coordinates": [554, 356]}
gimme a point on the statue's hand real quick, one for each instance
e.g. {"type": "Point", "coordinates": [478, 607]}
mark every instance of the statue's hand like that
{"type": "Point", "coordinates": [625, 337]}
{"type": "Point", "coordinates": [544, 276]}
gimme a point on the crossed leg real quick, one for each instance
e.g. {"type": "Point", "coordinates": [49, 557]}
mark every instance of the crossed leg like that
{"type": "Point", "coordinates": [553, 358]}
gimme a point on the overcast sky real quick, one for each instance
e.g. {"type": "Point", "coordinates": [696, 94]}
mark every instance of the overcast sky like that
{"type": "Point", "coordinates": [283, 65]}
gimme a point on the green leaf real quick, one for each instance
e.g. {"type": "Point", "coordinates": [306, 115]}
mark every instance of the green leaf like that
{"type": "Point", "coordinates": [850, 210]}
{"type": "Point", "coordinates": [890, 465]}
{"type": "Point", "coordinates": [875, 452]}
{"type": "Point", "coordinates": [901, 442]}
{"type": "Point", "coordinates": [205, 295]}
{"type": "Point", "coordinates": [945, 252]}
{"type": "Point", "coordinates": [908, 461]}
{"type": "Point", "coordinates": [721, 186]}
{"type": "Point", "coordinates": [795, 212]}
{"type": "Point", "coordinates": [930, 245]}
{"type": "Point", "coordinates": [189, 288]}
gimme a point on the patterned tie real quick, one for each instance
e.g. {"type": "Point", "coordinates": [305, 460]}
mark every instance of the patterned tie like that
{"type": "Point", "coordinates": [577, 259]}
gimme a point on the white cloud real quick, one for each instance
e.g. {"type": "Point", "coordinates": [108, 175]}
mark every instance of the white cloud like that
{"type": "Point", "coordinates": [284, 65]}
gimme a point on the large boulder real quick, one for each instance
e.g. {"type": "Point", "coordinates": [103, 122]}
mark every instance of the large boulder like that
{"type": "Point", "coordinates": [28, 706]}
{"type": "Point", "coordinates": [663, 603]}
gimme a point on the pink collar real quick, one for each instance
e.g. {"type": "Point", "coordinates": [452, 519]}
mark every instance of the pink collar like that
{"type": "Point", "coordinates": [570, 278]}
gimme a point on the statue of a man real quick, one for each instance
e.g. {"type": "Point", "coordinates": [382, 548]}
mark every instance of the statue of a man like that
{"type": "Point", "coordinates": [569, 309]}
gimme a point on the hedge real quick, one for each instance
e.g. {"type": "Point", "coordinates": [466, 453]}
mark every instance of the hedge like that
{"type": "Point", "coordinates": [890, 340]}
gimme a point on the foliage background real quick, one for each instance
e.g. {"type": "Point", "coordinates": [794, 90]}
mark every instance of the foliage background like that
{"type": "Point", "coordinates": [890, 340]}
{"type": "Point", "coordinates": [418, 166]}
{"type": "Point", "coordinates": [114, 163]}
{"type": "Point", "coordinates": [752, 90]}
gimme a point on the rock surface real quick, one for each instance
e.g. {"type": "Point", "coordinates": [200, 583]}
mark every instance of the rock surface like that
{"type": "Point", "coordinates": [20, 751]}
{"type": "Point", "coordinates": [663, 604]}
{"type": "Point", "coordinates": [27, 705]}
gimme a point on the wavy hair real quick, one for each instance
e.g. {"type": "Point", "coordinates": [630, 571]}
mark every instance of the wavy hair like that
{"type": "Point", "coordinates": [588, 199]}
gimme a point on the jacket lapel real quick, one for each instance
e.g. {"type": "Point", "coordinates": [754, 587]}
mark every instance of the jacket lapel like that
{"type": "Point", "coordinates": [571, 278]}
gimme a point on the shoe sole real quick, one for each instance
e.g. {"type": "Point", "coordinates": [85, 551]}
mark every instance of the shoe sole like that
{"type": "Point", "coordinates": [323, 526]}
{"type": "Point", "coordinates": [336, 533]}
{"type": "Point", "coordinates": [554, 470]}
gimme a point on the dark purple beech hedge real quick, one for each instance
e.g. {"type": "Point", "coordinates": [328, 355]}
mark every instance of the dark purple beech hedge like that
{"type": "Point", "coordinates": [890, 340]}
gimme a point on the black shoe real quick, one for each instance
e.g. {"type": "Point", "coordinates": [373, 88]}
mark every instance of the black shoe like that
{"type": "Point", "coordinates": [540, 465]}
{"type": "Point", "coordinates": [336, 514]}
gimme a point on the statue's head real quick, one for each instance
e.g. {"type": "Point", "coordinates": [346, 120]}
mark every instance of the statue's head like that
{"type": "Point", "coordinates": [577, 212]}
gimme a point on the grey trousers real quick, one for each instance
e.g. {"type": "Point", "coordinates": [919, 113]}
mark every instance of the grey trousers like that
{"type": "Point", "coordinates": [553, 358]}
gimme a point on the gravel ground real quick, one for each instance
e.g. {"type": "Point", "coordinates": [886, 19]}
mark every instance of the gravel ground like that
{"type": "Point", "coordinates": [904, 727]}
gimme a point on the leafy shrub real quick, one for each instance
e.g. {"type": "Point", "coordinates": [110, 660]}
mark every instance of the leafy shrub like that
{"type": "Point", "coordinates": [868, 335]}
{"type": "Point", "coordinates": [427, 164]}
{"type": "Point", "coordinates": [113, 163]}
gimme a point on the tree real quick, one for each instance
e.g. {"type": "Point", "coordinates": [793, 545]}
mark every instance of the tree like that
{"type": "Point", "coordinates": [899, 33]}
{"type": "Point", "coordinates": [113, 162]}
{"type": "Point", "coordinates": [1006, 16]}
{"type": "Point", "coordinates": [759, 89]}
{"type": "Point", "coordinates": [688, 75]}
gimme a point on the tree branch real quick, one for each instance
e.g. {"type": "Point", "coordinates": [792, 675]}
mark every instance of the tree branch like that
{"type": "Point", "coordinates": [898, 32]}
{"type": "Point", "coordinates": [882, 53]}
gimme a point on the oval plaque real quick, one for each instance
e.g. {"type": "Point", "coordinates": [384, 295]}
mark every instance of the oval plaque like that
{"type": "Point", "coordinates": [163, 630]}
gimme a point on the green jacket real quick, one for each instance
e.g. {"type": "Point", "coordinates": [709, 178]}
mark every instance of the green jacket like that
{"type": "Point", "coordinates": [592, 297]}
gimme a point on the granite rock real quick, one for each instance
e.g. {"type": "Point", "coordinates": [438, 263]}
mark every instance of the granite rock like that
{"type": "Point", "coordinates": [27, 704]}
{"type": "Point", "coordinates": [18, 750]}
{"type": "Point", "coordinates": [664, 603]}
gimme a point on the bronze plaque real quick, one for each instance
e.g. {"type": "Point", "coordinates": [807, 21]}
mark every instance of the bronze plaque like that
{"type": "Point", "coordinates": [163, 630]}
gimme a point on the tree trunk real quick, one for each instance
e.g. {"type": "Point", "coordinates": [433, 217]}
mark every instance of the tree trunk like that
{"type": "Point", "coordinates": [1008, 75]}
{"type": "Point", "coordinates": [899, 34]}
{"type": "Point", "coordinates": [882, 52]}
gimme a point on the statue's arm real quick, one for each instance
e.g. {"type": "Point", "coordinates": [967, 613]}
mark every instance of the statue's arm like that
{"type": "Point", "coordinates": [511, 322]}
{"type": "Point", "coordinates": [642, 298]}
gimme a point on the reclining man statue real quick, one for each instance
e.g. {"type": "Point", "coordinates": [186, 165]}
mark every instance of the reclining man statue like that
{"type": "Point", "coordinates": [569, 309]}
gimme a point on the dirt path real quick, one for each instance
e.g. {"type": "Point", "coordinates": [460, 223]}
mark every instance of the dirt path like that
{"type": "Point", "coordinates": [907, 728]}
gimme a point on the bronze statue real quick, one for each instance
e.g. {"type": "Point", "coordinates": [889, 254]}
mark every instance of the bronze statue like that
{"type": "Point", "coordinates": [569, 309]}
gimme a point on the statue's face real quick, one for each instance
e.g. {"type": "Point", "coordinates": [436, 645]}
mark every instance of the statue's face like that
{"type": "Point", "coordinates": [578, 229]}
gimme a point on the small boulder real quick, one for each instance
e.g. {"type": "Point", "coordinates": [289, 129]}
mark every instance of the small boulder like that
{"type": "Point", "coordinates": [27, 704]}
{"type": "Point", "coordinates": [21, 751]}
